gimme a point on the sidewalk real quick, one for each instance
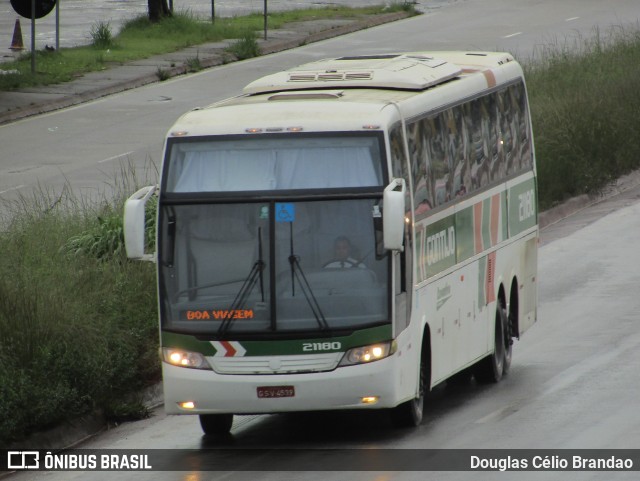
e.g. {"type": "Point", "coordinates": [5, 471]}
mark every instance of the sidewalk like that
{"type": "Point", "coordinates": [18, 104]}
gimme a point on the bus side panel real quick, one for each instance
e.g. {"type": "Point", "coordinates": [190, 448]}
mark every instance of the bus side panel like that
{"type": "Point", "coordinates": [529, 290]}
{"type": "Point", "coordinates": [460, 306]}
{"type": "Point", "coordinates": [458, 320]}
{"type": "Point", "coordinates": [523, 215]}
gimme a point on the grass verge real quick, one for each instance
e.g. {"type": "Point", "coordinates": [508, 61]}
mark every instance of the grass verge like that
{"type": "Point", "coordinates": [584, 106]}
{"type": "Point", "coordinates": [139, 38]}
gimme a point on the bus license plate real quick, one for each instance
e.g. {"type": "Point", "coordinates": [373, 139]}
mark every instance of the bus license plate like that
{"type": "Point", "coordinates": [276, 391]}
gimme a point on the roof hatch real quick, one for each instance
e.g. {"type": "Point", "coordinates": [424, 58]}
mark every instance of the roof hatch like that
{"type": "Point", "coordinates": [410, 71]}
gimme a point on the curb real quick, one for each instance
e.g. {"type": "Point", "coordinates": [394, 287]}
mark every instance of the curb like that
{"type": "Point", "coordinates": [76, 431]}
{"type": "Point", "coordinates": [576, 204]}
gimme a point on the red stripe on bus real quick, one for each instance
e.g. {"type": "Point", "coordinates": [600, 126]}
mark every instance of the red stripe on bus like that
{"type": "Point", "coordinates": [491, 78]}
{"type": "Point", "coordinates": [495, 218]}
{"type": "Point", "coordinates": [491, 272]}
{"type": "Point", "coordinates": [229, 347]}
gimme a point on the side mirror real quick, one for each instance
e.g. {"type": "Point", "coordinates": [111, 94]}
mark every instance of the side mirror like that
{"type": "Point", "coordinates": [393, 215]}
{"type": "Point", "coordinates": [134, 224]}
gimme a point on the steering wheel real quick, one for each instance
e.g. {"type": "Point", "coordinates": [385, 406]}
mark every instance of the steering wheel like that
{"type": "Point", "coordinates": [347, 263]}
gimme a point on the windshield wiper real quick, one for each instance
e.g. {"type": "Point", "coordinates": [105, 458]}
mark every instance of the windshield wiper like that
{"type": "Point", "coordinates": [255, 275]}
{"type": "Point", "coordinates": [171, 238]}
{"type": "Point", "coordinates": [298, 273]}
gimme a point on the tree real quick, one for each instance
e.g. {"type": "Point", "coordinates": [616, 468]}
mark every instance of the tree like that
{"type": "Point", "coordinates": [158, 9]}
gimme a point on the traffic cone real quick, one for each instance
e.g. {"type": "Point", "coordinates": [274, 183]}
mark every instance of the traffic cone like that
{"type": "Point", "coordinates": [16, 43]}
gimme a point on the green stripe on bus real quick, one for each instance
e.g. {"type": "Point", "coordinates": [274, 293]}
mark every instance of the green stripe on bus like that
{"type": "Point", "coordinates": [523, 212]}
{"type": "Point", "coordinates": [272, 347]}
{"type": "Point", "coordinates": [464, 234]}
{"type": "Point", "coordinates": [504, 213]}
{"type": "Point", "coordinates": [474, 229]}
{"type": "Point", "coordinates": [438, 246]}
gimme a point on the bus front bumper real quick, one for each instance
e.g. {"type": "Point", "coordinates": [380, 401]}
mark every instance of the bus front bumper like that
{"type": "Point", "coordinates": [379, 384]}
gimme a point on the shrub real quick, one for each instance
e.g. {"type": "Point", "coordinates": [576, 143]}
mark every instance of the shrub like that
{"type": "Point", "coordinates": [246, 47]}
{"type": "Point", "coordinates": [101, 34]}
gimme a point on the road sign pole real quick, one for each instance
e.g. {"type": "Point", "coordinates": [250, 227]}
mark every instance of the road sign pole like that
{"type": "Point", "coordinates": [265, 19]}
{"type": "Point", "coordinates": [33, 37]}
{"type": "Point", "coordinates": [58, 25]}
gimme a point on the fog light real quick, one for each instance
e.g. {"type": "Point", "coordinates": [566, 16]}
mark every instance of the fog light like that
{"type": "Point", "coordinates": [187, 405]}
{"type": "Point", "coordinates": [369, 399]}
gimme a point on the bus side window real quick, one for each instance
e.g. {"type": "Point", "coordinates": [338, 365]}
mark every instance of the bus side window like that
{"type": "Point", "coordinates": [492, 132]}
{"type": "Point", "coordinates": [458, 152]}
{"type": "Point", "coordinates": [440, 160]}
{"type": "Point", "coordinates": [525, 153]}
{"type": "Point", "coordinates": [479, 163]}
{"type": "Point", "coordinates": [510, 131]}
{"type": "Point", "coordinates": [417, 140]}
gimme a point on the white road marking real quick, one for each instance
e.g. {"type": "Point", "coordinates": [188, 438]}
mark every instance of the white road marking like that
{"type": "Point", "coordinates": [116, 157]}
{"type": "Point", "coordinates": [513, 35]}
{"type": "Point", "coordinates": [571, 19]}
{"type": "Point", "coordinates": [12, 188]}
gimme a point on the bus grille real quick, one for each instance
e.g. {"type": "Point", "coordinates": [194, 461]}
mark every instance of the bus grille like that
{"type": "Point", "coordinates": [275, 364]}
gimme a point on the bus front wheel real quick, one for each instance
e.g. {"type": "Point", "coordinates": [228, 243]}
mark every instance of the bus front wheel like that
{"type": "Point", "coordinates": [216, 424]}
{"type": "Point", "coordinates": [410, 413]}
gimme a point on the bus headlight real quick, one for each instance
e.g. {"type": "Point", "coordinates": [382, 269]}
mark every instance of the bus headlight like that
{"type": "Point", "coordinates": [366, 354]}
{"type": "Point", "coordinates": [182, 358]}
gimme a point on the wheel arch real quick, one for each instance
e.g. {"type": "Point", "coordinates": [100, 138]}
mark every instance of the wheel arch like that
{"type": "Point", "coordinates": [513, 309]}
{"type": "Point", "coordinates": [425, 353]}
{"type": "Point", "coordinates": [501, 297]}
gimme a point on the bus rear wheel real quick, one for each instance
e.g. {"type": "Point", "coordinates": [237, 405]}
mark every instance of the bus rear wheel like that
{"type": "Point", "coordinates": [493, 367]}
{"type": "Point", "coordinates": [216, 424]}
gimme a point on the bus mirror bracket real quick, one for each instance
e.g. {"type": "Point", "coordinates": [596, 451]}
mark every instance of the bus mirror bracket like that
{"type": "Point", "coordinates": [134, 224]}
{"type": "Point", "coordinates": [393, 212]}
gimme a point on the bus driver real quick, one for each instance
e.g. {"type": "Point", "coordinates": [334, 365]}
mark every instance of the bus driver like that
{"type": "Point", "coordinates": [342, 255]}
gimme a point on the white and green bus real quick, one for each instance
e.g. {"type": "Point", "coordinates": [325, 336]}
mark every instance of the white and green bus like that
{"type": "Point", "coordinates": [345, 235]}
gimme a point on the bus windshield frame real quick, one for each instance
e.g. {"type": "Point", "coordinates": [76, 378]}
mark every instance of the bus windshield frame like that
{"type": "Point", "coordinates": [254, 264]}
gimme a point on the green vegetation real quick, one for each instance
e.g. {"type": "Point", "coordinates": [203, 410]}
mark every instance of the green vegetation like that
{"type": "Point", "coordinates": [246, 47]}
{"type": "Point", "coordinates": [78, 320]}
{"type": "Point", "coordinates": [584, 106]}
{"type": "Point", "coordinates": [140, 38]}
{"type": "Point", "coordinates": [101, 35]}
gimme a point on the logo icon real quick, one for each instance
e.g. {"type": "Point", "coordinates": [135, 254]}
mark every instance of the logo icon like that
{"type": "Point", "coordinates": [23, 460]}
{"type": "Point", "coordinates": [285, 212]}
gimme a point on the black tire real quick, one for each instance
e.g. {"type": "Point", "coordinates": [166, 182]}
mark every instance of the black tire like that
{"type": "Point", "coordinates": [492, 368]}
{"type": "Point", "coordinates": [508, 342]}
{"type": "Point", "coordinates": [410, 414]}
{"type": "Point", "coordinates": [216, 424]}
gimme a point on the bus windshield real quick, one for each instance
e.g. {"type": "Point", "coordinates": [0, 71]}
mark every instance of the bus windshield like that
{"type": "Point", "coordinates": [272, 267]}
{"type": "Point", "coordinates": [234, 263]}
{"type": "Point", "coordinates": [260, 163]}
